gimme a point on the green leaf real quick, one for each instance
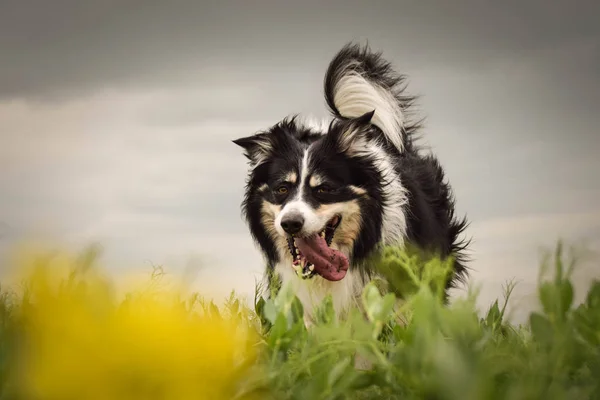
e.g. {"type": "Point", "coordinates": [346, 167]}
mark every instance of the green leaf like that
{"type": "Point", "coordinates": [593, 296]}
{"type": "Point", "coordinates": [548, 296]}
{"type": "Point", "coordinates": [586, 326]}
{"type": "Point", "coordinates": [566, 296]}
{"type": "Point", "coordinates": [324, 312]}
{"type": "Point", "coordinates": [337, 371]}
{"type": "Point", "coordinates": [277, 332]}
{"type": "Point", "coordinates": [541, 328]}
{"type": "Point", "coordinates": [270, 311]}
{"type": "Point", "coordinates": [364, 379]}
{"type": "Point", "coordinates": [297, 310]}
{"type": "Point", "coordinates": [493, 314]}
{"type": "Point", "coordinates": [259, 307]}
{"type": "Point", "coordinates": [385, 310]}
{"type": "Point", "coordinates": [371, 300]}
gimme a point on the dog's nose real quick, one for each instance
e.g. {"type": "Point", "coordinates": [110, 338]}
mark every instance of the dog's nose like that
{"type": "Point", "coordinates": [292, 223]}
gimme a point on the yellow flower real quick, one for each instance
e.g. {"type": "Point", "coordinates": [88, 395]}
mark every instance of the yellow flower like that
{"type": "Point", "coordinates": [81, 343]}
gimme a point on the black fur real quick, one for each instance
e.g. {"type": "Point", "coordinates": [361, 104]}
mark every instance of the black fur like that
{"type": "Point", "coordinates": [432, 225]}
{"type": "Point", "coordinates": [430, 215]}
{"type": "Point", "coordinates": [289, 141]}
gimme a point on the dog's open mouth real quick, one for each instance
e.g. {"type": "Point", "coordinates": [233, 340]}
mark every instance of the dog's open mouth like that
{"type": "Point", "coordinates": [313, 255]}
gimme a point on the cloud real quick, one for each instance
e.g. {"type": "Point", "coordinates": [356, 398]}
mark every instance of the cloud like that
{"type": "Point", "coordinates": [101, 173]}
{"type": "Point", "coordinates": [64, 48]}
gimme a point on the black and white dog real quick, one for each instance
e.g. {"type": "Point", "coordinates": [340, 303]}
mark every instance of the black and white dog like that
{"type": "Point", "coordinates": [320, 199]}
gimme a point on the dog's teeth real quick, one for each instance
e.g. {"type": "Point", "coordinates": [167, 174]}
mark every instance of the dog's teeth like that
{"type": "Point", "coordinates": [311, 268]}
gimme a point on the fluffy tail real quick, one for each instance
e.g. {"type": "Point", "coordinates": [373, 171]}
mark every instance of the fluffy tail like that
{"type": "Point", "coordinates": [358, 81]}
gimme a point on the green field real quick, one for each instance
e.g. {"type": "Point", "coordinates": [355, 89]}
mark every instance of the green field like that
{"type": "Point", "coordinates": [54, 344]}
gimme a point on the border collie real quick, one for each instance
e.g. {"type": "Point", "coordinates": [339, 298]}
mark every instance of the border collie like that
{"type": "Point", "coordinates": [320, 200]}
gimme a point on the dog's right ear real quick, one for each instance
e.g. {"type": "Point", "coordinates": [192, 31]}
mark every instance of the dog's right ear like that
{"type": "Point", "coordinates": [256, 147]}
{"type": "Point", "coordinates": [351, 130]}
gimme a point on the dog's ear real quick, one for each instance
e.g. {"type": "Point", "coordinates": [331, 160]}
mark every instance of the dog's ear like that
{"type": "Point", "coordinates": [256, 147]}
{"type": "Point", "coordinates": [350, 130]}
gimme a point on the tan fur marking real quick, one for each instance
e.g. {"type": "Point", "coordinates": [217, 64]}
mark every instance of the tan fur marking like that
{"type": "Point", "coordinates": [292, 177]}
{"type": "Point", "coordinates": [347, 232]}
{"type": "Point", "coordinates": [269, 212]}
{"type": "Point", "coordinates": [358, 190]}
{"type": "Point", "coordinates": [315, 180]}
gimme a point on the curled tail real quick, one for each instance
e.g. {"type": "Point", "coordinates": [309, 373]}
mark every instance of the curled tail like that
{"type": "Point", "coordinates": [358, 81]}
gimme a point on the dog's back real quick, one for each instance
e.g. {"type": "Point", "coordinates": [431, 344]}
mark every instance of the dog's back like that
{"type": "Point", "coordinates": [359, 80]}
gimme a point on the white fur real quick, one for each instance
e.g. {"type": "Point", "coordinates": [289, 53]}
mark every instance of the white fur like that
{"type": "Point", "coordinates": [395, 194]}
{"type": "Point", "coordinates": [312, 222]}
{"type": "Point", "coordinates": [355, 96]}
{"type": "Point", "coordinates": [313, 123]}
{"type": "Point", "coordinates": [311, 292]}
{"type": "Point", "coordinates": [304, 172]}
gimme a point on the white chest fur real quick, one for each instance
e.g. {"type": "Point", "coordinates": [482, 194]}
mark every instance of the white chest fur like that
{"type": "Point", "coordinates": [311, 292]}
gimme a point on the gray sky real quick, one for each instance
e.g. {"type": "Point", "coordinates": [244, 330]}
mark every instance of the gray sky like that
{"type": "Point", "coordinates": [116, 121]}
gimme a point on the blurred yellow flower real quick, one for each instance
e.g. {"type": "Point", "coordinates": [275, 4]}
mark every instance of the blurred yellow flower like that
{"type": "Point", "coordinates": [81, 343]}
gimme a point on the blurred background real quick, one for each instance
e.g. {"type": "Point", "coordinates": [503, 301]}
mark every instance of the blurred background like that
{"type": "Point", "coordinates": [116, 121]}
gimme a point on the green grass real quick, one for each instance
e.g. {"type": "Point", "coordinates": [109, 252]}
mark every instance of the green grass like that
{"type": "Point", "coordinates": [420, 349]}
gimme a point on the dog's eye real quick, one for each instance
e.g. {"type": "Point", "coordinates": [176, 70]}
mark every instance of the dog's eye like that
{"type": "Point", "coordinates": [281, 190]}
{"type": "Point", "coordinates": [325, 189]}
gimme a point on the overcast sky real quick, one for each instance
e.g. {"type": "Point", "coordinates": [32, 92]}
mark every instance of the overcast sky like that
{"type": "Point", "coordinates": [116, 121]}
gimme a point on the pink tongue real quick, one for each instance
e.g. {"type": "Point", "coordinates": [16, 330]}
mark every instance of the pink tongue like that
{"type": "Point", "coordinates": [331, 264]}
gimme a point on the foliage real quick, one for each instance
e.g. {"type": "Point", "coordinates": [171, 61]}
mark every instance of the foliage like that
{"type": "Point", "coordinates": [68, 336]}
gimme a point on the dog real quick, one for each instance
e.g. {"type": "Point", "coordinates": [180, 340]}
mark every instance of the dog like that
{"type": "Point", "coordinates": [321, 198]}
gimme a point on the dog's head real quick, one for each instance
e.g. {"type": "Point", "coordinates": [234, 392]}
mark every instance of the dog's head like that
{"type": "Point", "coordinates": [313, 199]}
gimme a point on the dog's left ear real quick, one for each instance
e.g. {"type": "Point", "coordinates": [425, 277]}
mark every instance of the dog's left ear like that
{"type": "Point", "coordinates": [351, 130]}
{"type": "Point", "coordinates": [256, 147]}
